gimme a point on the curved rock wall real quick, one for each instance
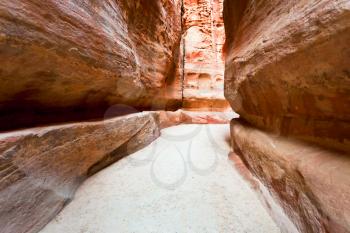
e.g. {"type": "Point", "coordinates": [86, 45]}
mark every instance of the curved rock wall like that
{"type": "Point", "coordinates": [311, 183]}
{"type": "Point", "coordinates": [67, 57]}
{"type": "Point", "coordinates": [64, 60]}
{"type": "Point", "coordinates": [41, 168]}
{"type": "Point", "coordinates": [287, 75]}
{"type": "Point", "coordinates": [287, 67]}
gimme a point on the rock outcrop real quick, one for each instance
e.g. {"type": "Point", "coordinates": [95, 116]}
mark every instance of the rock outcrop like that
{"type": "Point", "coordinates": [311, 183]}
{"type": "Point", "coordinates": [203, 39]}
{"type": "Point", "coordinates": [168, 119]}
{"type": "Point", "coordinates": [41, 168]}
{"type": "Point", "coordinates": [287, 67]}
{"type": "Point", "coordinates": [287, 75]}
{"type": "Point", "coordinates": [63, 60]}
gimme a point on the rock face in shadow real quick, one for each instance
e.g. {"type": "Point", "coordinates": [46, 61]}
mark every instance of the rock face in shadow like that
{"type": "Point", "coordinates": [312, 184]}
{"type": "Point", "coordinates": [287, 68]}
{"type": "Point", "coordinates": [203, 39]}
{"type": "Point", "coordinates": [67, 57]}
{"type": "Point", "coordinates": [41, 168]}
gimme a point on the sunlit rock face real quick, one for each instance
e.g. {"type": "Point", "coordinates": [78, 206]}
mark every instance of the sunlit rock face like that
{"type": "Point", "coordinates": [203, 39]}
{"type": "Point", "coordinates": [63, 57]}
{"type": "Point", "coordinates": [287, 75]}
{"type": "Point", "coordinates": [287, 67]}
{"type": "Point", "coordinates": [168, 119]}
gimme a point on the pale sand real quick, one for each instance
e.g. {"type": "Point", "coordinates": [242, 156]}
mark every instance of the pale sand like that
{"type": "Point", "coordinates": [183, 182]}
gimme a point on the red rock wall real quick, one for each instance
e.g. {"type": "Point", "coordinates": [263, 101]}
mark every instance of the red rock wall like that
{"type": "Point", "coordinates": [65, 57]}
{"type": "Point", "coordinates": [64, 60]}
{"type": "Point", "coordinates": [203, 39]}
{"type": "Point", "coordinates": [311, 183]}
{"type": "Point", "coordinates": [41, 168]}
{"type": "Point", "coordinates": [287, 67]}
{"type": "Point", "coordinates": [287, 75]}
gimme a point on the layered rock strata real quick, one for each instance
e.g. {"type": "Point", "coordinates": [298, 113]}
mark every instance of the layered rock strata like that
{"type": "Point", "coordinates": [287, 75]}
{"type": "Point", "coordinates": [311, 183]}
{"type": "Point", "coordinates": [203, 39]}
{"type": "Point", "coordinates": [41, 168]}
{"type": "Point", "coordinates": [168, 119]}
{"type": "Point", "coordinates": [287, 67]}
{"type": "Point", "coordinates": [63, 60]}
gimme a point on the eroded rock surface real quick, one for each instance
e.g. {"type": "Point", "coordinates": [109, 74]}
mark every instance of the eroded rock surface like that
{"type": "Point", "coordinates": [65, 58]}
{"type": "Point", "coordinates": [287, 73]}
{"type": "Point", "coordinates": [287, 67]}
{"type": "Point", "coordinates": [167, 118]}
{"type": "Point", "coordinates": [203, 38]}
{"type": "Point", "coordinates": [41, 168]}
{"type": "Point", "coordinates": [312, 184]}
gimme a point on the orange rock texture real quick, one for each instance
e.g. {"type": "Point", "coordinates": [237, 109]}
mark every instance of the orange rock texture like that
{"type": "Point", "coordinates": [287, 67]}
{"type": "Point", "coordinates": [287, 75]}
{"type": "Point", "coordinates": [168, 119]}
{"type": "Point", "coordinates": [311, 183]}
{"type": "Point", "coordinates": [65, 58]}
{"type": "Point", "coordinates": [203, 39]}
{"type": "Point", "coordinates": [41, 168]}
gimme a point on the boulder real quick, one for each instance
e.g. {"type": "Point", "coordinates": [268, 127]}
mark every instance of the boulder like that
{"type": "Point", "coordinates": [41, 168]}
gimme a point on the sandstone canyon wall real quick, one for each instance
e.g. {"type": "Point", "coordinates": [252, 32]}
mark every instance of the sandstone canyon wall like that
{"type": "Point", "coordinates": [41, 168]}
{"type": "Point", "coordinates": [69, 59]}
{"type": "Point", "coordinates": [287, 75]}
{"type": "Point", "coordinates": [287, 67]}
{"type": "Point", "coordinates": [203, 39]}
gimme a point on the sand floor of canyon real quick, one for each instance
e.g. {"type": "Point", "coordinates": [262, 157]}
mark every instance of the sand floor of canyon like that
{"type": "Point", "coordinates": [182, 182]}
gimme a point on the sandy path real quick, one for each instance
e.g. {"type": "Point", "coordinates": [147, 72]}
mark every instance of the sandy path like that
{"type": "Point", "coordinates": [183, 182]}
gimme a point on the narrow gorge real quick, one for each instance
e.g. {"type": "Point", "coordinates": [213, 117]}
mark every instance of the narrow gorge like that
{"type": "Point", "coordinates": [175, 116]}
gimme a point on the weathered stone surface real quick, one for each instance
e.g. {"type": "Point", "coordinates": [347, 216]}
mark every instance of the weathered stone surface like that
{"type": "Point", "coordinates": [203, 38]}
{"type": "Point", "coordinates": [65, 58]}
{"type": "Point", "coordinates": [41, 168]}
{"type": "Point", "coordinates": [168, 119]}
{"type": "Point", "coordinates": [268, 200]}
{"type": "Point", "coordinates": [287, 67]}
{"type": "Point", "coordinates": [311, 183]}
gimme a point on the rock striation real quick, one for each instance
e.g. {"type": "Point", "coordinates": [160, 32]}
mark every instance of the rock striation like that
{"type": "Point", "coordinates": [311, 183]}
{"type": "Point", "coordinates": [168, 119]}
{"type": "Point", "coordinates": [203, 39]}
{"type": "Point", "coordinates": [63, 60]}
{"type": "Point", "coordinates": [287, 67]}
{"type": "Point", "coordinates": [41, 168]}
{"type": "Point", "coordinates": [287, 75]}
